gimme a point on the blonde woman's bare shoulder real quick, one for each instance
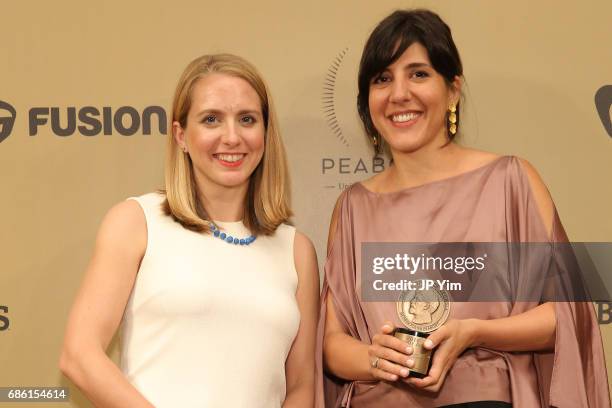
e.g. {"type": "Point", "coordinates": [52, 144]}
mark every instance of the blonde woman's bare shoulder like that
{"type": "Point", "coordinates": [305, 257]}
{"type": "Point", "coordinates": [124, 229]}
{"type": "Point", "coordinates": [303, 246]}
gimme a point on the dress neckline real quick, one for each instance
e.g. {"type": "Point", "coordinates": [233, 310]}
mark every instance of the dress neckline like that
{"type": "Point", "coordinates": [451, 178]}
{"type": "Point", "coordinates": [227, 223]}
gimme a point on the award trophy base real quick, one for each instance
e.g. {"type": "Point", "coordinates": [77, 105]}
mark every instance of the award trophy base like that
{"type": "Point", "coordinates": [422, 357]}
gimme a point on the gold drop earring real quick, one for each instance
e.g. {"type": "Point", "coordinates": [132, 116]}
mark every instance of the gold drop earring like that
{"type": "Point", "coordinates": [376, 144]}
{"type": "Point", "coordinates": [452, 119]}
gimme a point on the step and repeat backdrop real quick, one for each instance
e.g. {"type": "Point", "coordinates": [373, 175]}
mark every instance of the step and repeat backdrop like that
{"type": "Point", "coordinates": [85, 89]}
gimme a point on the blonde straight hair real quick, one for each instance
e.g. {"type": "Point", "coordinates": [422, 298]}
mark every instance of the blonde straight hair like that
{"type": "Point", "coordinates": [267, 203]}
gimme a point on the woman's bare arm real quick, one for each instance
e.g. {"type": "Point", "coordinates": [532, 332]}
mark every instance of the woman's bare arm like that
{"type": "Point", "coordinates": [300, 365]}
{"type": "Point", "coordinates": [98, 309]}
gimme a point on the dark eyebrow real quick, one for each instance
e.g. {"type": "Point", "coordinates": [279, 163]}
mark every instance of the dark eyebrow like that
{"type": "Point", "coordinates": [418, 65]}
{"type": "Point", "coordinates": [412, 65]}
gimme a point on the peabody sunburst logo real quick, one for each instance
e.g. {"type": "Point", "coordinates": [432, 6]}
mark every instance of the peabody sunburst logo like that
{"type": "Point", "coordinates": [338, 96]}
{"type": "Point", "coordinates": [329, 106]}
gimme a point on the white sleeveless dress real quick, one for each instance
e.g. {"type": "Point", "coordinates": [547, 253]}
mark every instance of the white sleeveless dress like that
{"type": "Point", "coordinates": [210, 324]}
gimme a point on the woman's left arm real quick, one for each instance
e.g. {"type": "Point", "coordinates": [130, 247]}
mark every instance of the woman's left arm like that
{"type": "Point", "coordinates": [533, 330]}
{"type": "Point", "coordinates": [300, 365]}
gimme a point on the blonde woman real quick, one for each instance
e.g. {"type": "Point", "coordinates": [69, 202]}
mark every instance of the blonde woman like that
{"type": "Point", "coordinates": [216, 293]}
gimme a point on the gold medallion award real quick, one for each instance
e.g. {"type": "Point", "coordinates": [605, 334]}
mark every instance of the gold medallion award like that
{"type": "Point", "coordinates": [421, 311]}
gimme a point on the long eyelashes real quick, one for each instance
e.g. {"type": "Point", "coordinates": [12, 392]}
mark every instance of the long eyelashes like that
{"type": "Point", "coordinates": [209, 119]}
{"type": "Point", "coordinates": [421, 74]}
{"type": "Point", "coordinates": [381, 79]}
{"type": "Point", "coordinates": [249, 120]}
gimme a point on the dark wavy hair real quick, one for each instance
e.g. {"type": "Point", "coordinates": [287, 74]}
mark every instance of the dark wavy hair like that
{"type": "Point", "coordinates": [391, 37]}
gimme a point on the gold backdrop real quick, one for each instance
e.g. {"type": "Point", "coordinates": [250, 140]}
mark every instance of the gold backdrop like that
{"type": "Point", "coordinates": [532, 70]}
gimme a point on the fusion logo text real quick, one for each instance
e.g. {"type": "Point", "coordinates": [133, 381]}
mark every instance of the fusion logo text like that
{"type": "Point", "coordinates": [91, 121]}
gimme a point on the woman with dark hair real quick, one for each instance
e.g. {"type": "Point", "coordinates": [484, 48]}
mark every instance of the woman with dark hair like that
{"type": "Point", "coordinates": [523, 354]}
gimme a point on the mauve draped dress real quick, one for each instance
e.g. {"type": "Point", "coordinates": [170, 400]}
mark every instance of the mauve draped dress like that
{"type": "Point", "coordinates": [493, 203]}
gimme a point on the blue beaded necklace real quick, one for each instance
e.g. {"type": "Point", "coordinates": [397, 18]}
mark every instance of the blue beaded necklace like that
{"type": "Point", "coordinates": [228, 238]}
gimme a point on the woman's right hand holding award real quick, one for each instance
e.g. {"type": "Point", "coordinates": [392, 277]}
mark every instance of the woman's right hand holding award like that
{"type": "Point", "coordinates": [390, 358]}
{"type": "Point", "coordinates": [450, 340]}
